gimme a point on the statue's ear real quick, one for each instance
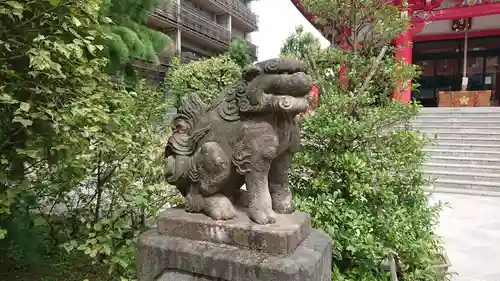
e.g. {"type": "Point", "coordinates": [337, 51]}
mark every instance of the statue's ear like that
{"type": "Point", "coordinates": [251, 72]}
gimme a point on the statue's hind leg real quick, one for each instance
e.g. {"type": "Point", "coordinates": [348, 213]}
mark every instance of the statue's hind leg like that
{"type": "Point", "coordinates": [211, 170]}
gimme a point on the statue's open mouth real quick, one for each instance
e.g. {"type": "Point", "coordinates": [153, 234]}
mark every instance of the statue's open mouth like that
{"type": "Point", "coordinates": [293, 104]}
{"type": "Point", "coordinates": [286, 103]}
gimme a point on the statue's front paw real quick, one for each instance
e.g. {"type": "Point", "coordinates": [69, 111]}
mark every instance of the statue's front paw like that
{"type": "Point", "coordinates": [219, 207]}
{"type": "Point", "coordinates": [262, 217]}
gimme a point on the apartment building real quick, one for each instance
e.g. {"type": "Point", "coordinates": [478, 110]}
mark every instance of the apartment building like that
{"type": "Point", "coordinates": [204, 28]}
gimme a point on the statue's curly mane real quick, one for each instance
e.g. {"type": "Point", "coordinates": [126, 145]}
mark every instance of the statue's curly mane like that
{"type": "Point", "coordinates": [184, 137]}
{"type": "Point", "coordinates": [228, 104]}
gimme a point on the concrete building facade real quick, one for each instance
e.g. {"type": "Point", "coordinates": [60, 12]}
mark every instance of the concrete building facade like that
{"type": "Point", "coordinates": [204, 28]}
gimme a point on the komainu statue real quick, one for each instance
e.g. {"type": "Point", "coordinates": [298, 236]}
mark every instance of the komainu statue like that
{"type": "Point", "coordinates": [248, 135]}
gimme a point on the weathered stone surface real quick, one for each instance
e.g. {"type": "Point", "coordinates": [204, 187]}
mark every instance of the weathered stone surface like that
{"type": "Point", "coordinates": [247, 135]}
{"type": "Point", "coordinates": [177, 275]}
{"type": "Point", "coordinates": [282, 237]}
{"type": "Point", "coordinates": [168, 258]}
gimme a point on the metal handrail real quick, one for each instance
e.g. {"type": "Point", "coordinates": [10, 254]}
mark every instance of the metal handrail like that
{"type": "Point", "coordinates": [224, 4]}
{"type": "Point", "coordinates": [190, 18]}
{"type": "Point", "coordinates": [243, 12]}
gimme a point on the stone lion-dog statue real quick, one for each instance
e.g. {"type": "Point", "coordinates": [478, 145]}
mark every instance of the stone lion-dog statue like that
{"type": "Point", "coordinates": [248, 135]}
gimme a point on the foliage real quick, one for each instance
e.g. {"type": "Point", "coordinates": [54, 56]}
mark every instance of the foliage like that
{"type": "Point", "coordinates": [51, 264]}
{"type": "Point", "coordinates": [208, 77]}
{"type": "Point", "coordinates": [129, 37]}
{"type": "Point", "coordinates": [79, 155]}
{"type": "Point", "coordinates": [361, 180]}
{"type": "Point", "coordinates": [301, 44]}
{"type": "Point", "coordinates": [239, 52]}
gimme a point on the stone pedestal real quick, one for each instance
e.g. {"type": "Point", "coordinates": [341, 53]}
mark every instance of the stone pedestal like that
{"type": "Point", "coordinates": [193, 247]}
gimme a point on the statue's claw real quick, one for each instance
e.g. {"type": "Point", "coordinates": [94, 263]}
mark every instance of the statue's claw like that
{"type": "Point", "coordinates": [219, 207]}
{"type": "Point", "coordinates": [262, 217]}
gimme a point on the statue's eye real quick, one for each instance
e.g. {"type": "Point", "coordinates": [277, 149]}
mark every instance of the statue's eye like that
{"type": "Point", "coordinates": [272, 66]}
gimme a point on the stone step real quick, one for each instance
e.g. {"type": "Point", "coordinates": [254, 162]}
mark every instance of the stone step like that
{"type": "Point", "coordinates": [459, 110]}
{"type": "Point", "coordinates": [432, 166]}
{"type": "Point", "coordinates": [453, 133]}
{"type": "Point", "coordinates": [465, 176]}
{"type": "Point", "coordinates": [461, 191]}
{"type": "Point", "coordinates": [446, 118]}
{"type": "Point", "coordinates": [465, 160]}
{"type": "Point", "coordinates": [437, 124]}
{"type": "Point", "coordinates": [467, 184]}
{"type": "Point", "coordinates": [467, 140]}
{"type": "Point", "coordinates": [465, 146]}
{"type": "Point", "coordinates": [464, 130]}
{"type": "Point", "coordinates": [463, 153]}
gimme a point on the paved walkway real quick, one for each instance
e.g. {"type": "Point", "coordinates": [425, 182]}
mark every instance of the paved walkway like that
{"type": "Point", "coordinates": [470, 227]}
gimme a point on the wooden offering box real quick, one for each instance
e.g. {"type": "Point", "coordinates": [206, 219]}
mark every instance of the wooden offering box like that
{"type": "Point", "coordinates": [464, 99]}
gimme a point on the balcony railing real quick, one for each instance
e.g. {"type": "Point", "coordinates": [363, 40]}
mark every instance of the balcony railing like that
{"type": "Point", "coordinates": [244, 13]}
{"type": "Point", "coordinates": [168, 14]}
{"type": "Point", "coordinates": [253, 49]}
{"type": "Point", "coordinates": [195, 23]}
{"type": "Point", "coordinates": [191, 20]}
{"type": "Point", "coordinates": [187, 57]}
{"type": "Point", "coordinates": [150, 71]}
{"type": "Point", "coordinates": [223, 4]}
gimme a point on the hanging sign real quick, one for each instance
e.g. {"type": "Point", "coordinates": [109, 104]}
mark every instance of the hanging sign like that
{"type": "Point", "coordinates": [471, 2]}
{"type": "Point", "coordinates": [461, 24]}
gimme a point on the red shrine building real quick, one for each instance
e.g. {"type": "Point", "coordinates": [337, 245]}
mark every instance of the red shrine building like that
{"type": "Point", "coordinates": [457, 45]}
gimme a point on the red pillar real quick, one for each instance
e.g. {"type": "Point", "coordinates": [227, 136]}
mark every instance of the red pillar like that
{"type": "Point", "coordinates": [404, 49]}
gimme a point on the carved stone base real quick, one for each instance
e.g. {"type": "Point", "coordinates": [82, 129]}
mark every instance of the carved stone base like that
{"type": "Point", "coordinates": [283, 237]}
{"type": "Point", "coordinates": [293, 252]}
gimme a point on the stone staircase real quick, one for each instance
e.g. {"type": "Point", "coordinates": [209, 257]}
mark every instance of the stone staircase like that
{"type": "Point", "coordinates": [465, 157]}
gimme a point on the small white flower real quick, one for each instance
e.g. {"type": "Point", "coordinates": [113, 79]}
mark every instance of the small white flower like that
{"type": "Point", "coordinates": [329, 72]}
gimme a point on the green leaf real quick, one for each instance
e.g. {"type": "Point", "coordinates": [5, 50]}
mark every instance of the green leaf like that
{"type": "Point", "coordinates": [97, 227]}
{"type": "Point", "coordinates": [75, 20]}
{"type": "Point", "coordinates": [25, 122]}
{"type": "Point", "coordinates": [40, 221]}
{"type": "Point", "coordinates": [91, 49]}
{"type": "Point", "coordinates": [106, 249]}
{"type": "Point", "coordinates": [54, 3]}
{"type": "Point", "coordinates": [15, 5]}
{"type": "Point", "coordinates": [25, 106]}
{"type": "Point", "coordinates": [8, 99]}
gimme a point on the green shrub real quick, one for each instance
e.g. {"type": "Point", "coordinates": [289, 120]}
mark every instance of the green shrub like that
{"type": "Point", "coordinates": [208, 77]}
{"type": "Point", "coordinates": [361, 180]}
{"type": "Point", "coordinates": [239, 52]}
{"type": "Point", "coordinates": [301, 45]}
{"type": "Point", "coordinates": [80, 157]}
{"type": "Point", "coordinates": [130, 37]}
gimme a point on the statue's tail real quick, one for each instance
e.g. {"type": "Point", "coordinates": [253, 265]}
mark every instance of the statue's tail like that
{"type": "Point", "coordinates": [184, 134]}
{"type": "Point", "coordinates": [185, 137]}
{"type": "Point", "coordinates": [191, 109]}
